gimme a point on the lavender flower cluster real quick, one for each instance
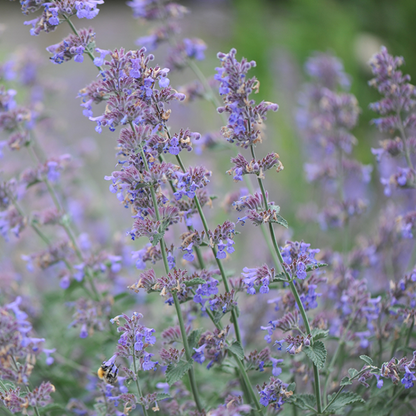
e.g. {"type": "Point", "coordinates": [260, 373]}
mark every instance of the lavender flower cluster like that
{"type": "Point", "coordinates": [338, 323]}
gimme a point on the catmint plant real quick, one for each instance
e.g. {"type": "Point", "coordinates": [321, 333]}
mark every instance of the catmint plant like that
{"type": "Point", "coordinates": [172, 315]}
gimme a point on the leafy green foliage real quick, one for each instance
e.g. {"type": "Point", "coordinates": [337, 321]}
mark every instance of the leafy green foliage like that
{"type": "Point", "coordinates": [304, 401]}
{"type": "Point", "coordinates": [175, 373]}
{"type": "Point", "coordinates": [343, 400]}
{"type": "Point", "coordinates": [237, 349]}
{"type": "Point", "coordinates": [317, 354]}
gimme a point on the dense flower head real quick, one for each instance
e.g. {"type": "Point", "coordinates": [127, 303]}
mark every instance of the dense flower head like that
{"type": "Point", "coordinates": [151, 9]}
{"type": "Point", "coordinates": [250, 202]}
{"type": "Point", "coordinates": [395, 87]}
{"type": "Point", "coordinates": [259, 276]}
{"type": "Point", "coordinates": [72, 46]}
{"type": "Point", "coordinates": [294, 343]}
{"type": "Point", "coordinates": [297, 256]}
{"type": "Point", "coordinates": [133, 341]}
{"type": "Point", "coordinates": [188, 182]}
{"type": "Point", "coordinates": [397, 371]}
{"type": "Point", "coordinates": [212, 347]}
{"type": "Point", "coordinates": [325, 118]}
{"type": "Point", "coordinates": [15, 401]}
{"type": "Point", "coordinates": [327, 70]}
{"type": "Point", "coordinates": [223, 303]}
{"type": "Point", "coordinates": [184, 50]}
{"type": "Point", "coordinates": [49, 20]}
{"type": "Point", "coordinates": [11, 222]}
{"type": "Point", "coordinates": [255, 167]}
{"type": "Point", "coordinates": [257, 360]}
{"type": "Point", "coordinates": [274, 393]}
{"type": "Point", "coordinates": [114, 399]}
{"type": "Point", "coordinates": [18, 343]}
{"type": "Point", "coordinates": [245, 117]}
{"type": "Point", "coordinates": [288, 322]}
{"type": "Point", "coordinates": [89, 315]}
{"type": "Point", "coordinates": [129, 85]}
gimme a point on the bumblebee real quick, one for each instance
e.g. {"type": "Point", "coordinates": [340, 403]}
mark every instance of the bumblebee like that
{"type": "Point", "coordinates": [108, 373]}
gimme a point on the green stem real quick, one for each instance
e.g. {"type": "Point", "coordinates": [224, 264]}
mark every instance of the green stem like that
{"type": "Point", "coordinates": [342, 388]}
{"type": "Point", "coordinates": [227, 289]}
{"type": "Point", "coordinates": [74, 29]}
{"type": "Point", "coordinates": [335, 356]}
{"type": "Point", "coordinates": [137, 381]}
{"type": "Point", "coordinates": [187, 352]}
{"type": "Point", "coordinates": [174, 295]}
{"type": "Point", "coordinates": [293, 289]}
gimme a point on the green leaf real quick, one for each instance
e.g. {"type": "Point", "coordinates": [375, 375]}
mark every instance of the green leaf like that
{"type": "Point", "coordinates": [311, 267]}
{"type": "Point", "coordinates": [156, 238]}
{"type": "Point", "coordinates": [345, 381]}
{"type": "Point", "coordinates": [237, 349]}
{"type": "Point", "coordinates": [366, 359]}
{"type": "Point", "coordinates": [303, 401]}
{"type": "Point", "coordinates": [291, 386]}
{"type": "Point", "coordinates": [316, 353]}
{"type": "Point", "coordinates": [194, 282]}
{"type": "Point", "coordinates": [279, 220]}
{"type": "Point", "coordinates": [162, 396]}
{"type": "Point", "coordinates": [175, 372]}
{"type": "Point", "coordinates": [279, 276]}
{"type": "Point", "coordinates": [193, 338]}
{"type": "Point", "coordinates": [217, 316]}
{"type": "Point", "coordinates": [344, 399]}
{"type": "Point", "coordinates": [319, 334]}
{"type": "Point", "coordinates": [352, 372]}
{"type": "Point", "coordinates": [275, 207]}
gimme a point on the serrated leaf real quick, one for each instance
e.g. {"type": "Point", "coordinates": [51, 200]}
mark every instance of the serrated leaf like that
{"type": "Point", "coordinates": [344, 399]}
{"type": "Point", "coordinates": [304, 401]}
{"type": "Point", "coordinates": [366, 359]}
{"type": "Point", "coordinates": [319, 334]}
{"type": "Point", "coordinates": [280, 220]}
{"type": "Point", "coordinates": [156, 238]}
{"type": "Point", "coordinates": [217, 316]}
{"type": "Point", "coordinates": [345, 381]}
{"type": "Point", "coordinates": [162, 396]}
{"type": "Point", "coordinates": [194, 282]}
{"type": "Point", "coordinates": [352, 372]}
{"type": "Point", "coordinates": [193, 338]}
{"type": "Point", "coordinates": [311, 267]}
{"type": "Point", "coordinates": [237, 349]}
{"type": "Point", "coordinates": [317, 354]}
{"type": "Point", "coordinates": [277, 277]}
{"type": "Point", "coordinates": [175, 372]}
